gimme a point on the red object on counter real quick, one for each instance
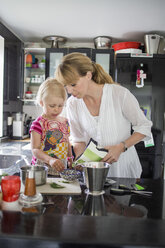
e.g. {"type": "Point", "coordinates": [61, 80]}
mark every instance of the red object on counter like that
{"type": "Point", "coordinates": [10, 186]}
{"type": "Point", "coordinates": [126, 45]}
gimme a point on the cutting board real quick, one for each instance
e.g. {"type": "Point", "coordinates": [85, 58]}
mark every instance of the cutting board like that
{"type": "Point", "coordinates": [71, 188]}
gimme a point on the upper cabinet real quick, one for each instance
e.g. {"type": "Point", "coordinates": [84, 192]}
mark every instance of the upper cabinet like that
{"type": "Point", "coordinates": [144, 76]}
{"type": "Point", "coordinates": [104, 57]}
{"type": "Point", "coordinates": [13, 65]}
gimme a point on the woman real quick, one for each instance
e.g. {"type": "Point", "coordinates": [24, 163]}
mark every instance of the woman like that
{"type": "Point", "coordinates": [103, 110]}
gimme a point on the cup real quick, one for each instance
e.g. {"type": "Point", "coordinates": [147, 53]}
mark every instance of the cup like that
{"type": "Point", "coordinates": [10, 186]}
{"type": "Point", "coordinates": [95, 174]}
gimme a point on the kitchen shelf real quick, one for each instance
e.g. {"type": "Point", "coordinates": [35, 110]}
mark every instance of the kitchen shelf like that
{"type": "Point", "coordinates": [28, 100]}
{"type": "Point", "coordinates": [34, 84]}
{"type": "Point", "coordinates": [33, 77]}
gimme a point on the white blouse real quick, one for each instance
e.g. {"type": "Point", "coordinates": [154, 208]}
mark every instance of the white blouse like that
{"type": "Point", "coordinates": [118, 110]}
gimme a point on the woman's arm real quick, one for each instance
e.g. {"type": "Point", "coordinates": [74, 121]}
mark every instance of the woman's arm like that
{"type": "Point", "coordinates": [39, 154]}
{"type": "Point", "coordinates": [115, 151]}
{"type": "Point", "coordinates": [79, 148]}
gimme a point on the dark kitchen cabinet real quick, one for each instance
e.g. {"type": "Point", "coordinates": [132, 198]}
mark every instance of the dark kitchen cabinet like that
{"type": "Point", "coordinates": [13, 65]}
{"type": "Point", "coordinates": [104, 57]}
{"type": "Point", "coordinates": [53, 58]}
{"type": "Point", "coordinates": [151, 98]}
{"type": "Point", "coordinates": [13, 74]}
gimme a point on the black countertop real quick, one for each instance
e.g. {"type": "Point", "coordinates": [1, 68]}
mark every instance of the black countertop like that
{"type": "Point", "coordinates": [128, 220]}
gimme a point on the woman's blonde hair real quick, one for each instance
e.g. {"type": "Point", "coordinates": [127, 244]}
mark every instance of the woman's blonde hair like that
{"type": "Point", "coordinates": [76, 65]}
{"type": "Point", "coordinates": [50, 87]}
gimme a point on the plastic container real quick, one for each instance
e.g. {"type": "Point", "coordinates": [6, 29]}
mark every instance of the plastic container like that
{"type": "Point", "coordinates": [29, 60]}
{"type": "Point", "coordinates": [10, 188]}
{"type": "Point", "coordinates": [126, 45]}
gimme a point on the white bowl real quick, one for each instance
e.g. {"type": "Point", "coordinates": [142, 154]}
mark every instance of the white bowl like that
{"type": "Point", "coordinates": [42, 65]}
{"type": "Point", "coordinates": [28, 96]}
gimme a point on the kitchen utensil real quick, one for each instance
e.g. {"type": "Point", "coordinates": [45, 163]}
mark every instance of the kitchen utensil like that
{"type": "Point", "coordinates": [54, 40]}
{"type": "Point", "coordinates": [151, 43]}
{"type": "Point", "coordinates": [30, 197]}
{"type": "Point", "coordinates": [71, 188]}
{"type": "Point", "coordinates": [117, 191]}
{"type": "Point", "coordinates": [94, 206]}
{"type": "Point", "coordinates": [95, 174]}
{"type": "Point", "coordinates": [39, 171]}
{"type": "Point", "coordinates": [161, 48]}
{"type": "Point", "coordinates": [10, 186]}
{"type": "Point", "coordinates": [102, 42]}
{"type": "Point", "coordinates": [126, 45]}
{"type": "Point", "coordinates": [70, 175]}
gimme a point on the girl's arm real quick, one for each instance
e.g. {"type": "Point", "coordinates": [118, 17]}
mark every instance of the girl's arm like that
{"type": "Point", "coordinates": [39, 154]}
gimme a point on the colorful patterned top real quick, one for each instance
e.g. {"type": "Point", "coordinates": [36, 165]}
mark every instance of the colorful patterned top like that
{"type": "Point", "coordinates": [54, 136]}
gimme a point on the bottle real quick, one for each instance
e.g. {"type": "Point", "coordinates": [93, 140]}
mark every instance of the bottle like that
{"type": "Point", "coordinates": [30, 184]}
{"type": "Point", "coordinates": [140, 76]}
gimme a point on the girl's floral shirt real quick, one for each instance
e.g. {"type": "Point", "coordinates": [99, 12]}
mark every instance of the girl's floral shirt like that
{"type": "Point", "coordinates": [54, 136]}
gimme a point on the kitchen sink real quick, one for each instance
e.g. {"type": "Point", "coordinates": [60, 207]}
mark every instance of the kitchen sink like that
{"type": "Point", "coordinates": [11, 164]}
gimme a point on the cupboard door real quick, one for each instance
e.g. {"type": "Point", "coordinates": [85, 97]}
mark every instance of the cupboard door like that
{"type": "Point", "coordinates": [104, 57]}
{"type": "Point", "coordinates": [126, 75]}
{"type": "Point", "coordinates": [53, 59]}
{"type": "Point", "coordinates": [158, 89]}
{"type": "Point", "coordinates": [12, 77]}
{"type": "Point", "coordinates": [85, 51]}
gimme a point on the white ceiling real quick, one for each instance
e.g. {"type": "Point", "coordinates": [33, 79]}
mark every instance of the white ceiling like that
{"type": "Point", "coordinates": [80, 20]}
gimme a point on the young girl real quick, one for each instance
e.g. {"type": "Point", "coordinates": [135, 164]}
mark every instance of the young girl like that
{"type": "Point", "coordinates": [50, 131]}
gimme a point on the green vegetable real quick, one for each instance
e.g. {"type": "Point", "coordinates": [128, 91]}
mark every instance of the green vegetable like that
{"type": "Point", "coordinates": [65, 182]}
{"type": "Point", "coordinates": [56, 186]}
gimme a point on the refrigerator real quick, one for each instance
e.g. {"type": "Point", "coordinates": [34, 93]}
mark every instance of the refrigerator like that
{"type": "Point", "coordinates": [144, 76]}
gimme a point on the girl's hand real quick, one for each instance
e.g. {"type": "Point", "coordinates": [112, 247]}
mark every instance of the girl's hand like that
{"type": "Point", "coordinates": [57, 164]}
{"type": "Point", "coordinates": [113, 153]}
{"type": "Point", "coordinates": [70, 161]}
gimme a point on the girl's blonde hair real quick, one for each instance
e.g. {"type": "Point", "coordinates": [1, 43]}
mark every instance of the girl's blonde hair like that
{"type": "Point", "coordinates": [76, 65]}
{"type": "Point", "coordinates": [50, 87]}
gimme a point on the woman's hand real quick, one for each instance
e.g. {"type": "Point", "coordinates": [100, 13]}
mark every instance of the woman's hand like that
{"type": "Point", "coordinates": [56, 164]}
{"type": "Point", "coordinates": [113, 153]}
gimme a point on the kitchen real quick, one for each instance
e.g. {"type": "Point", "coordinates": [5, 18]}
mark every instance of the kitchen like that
{"type": "Point", "coordinates": [85, 17]}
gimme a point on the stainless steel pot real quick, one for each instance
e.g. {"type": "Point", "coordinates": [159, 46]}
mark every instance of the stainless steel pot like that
{"type": "Point", "coordinates": [40, 173]}
{"type": "Point", "coordinates": [102, 42]}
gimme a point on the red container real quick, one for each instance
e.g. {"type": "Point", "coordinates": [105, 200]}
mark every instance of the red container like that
{"type": "Point", "coordinates": [126, 45]}
{"type": "Point", "coordinates": [29, 59]}
{"type": "Point", "coordinates": [10, 188]}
